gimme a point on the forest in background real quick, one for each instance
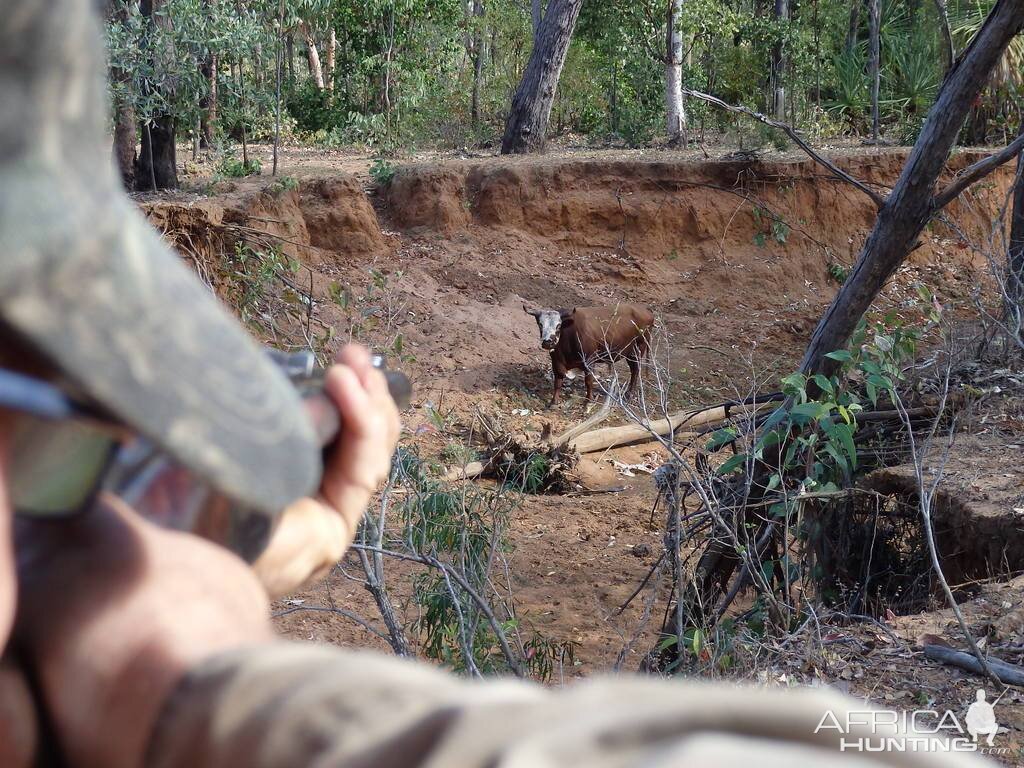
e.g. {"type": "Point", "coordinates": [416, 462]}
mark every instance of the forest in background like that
{"type": "Point", "coordinates": [392, 75]}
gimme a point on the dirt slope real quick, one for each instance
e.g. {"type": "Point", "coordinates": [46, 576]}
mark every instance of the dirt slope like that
{"type": "Point", "coordinates": [735, 259]}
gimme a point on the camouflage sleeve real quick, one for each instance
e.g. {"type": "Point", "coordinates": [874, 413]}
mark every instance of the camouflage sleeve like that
{"type": "Point", "coordinates": [288, 705]}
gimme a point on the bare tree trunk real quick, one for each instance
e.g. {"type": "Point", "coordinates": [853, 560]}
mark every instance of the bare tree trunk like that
{"type": "Point", "coordinates": [778, 102]}
{"type": "Point", "coordinates": [289, 46]}
{"type": "Point", "coordinates": [526, 127]}
{"type": "Point", "coordinates": [244, 115]}
{"type": "Point", "coordinates": [277, 84]}
{"type": "Point", "coordinates": [157, 165]}
{"type": "Point", "coordinates": [316, 71]}
{"type": "Point", "coordinates": [388, 57]}
{"type": "Point", "coordinates": [948, 52]}
{"type": "Point", "coordinates": [1014, 292]}
{"type": "Point", "coordinates": [158, 160]}
{"type": "Point", "coordinates": [126, 132]}
{"type": "Point", "coordinates": [817, 56]}
{"type": "Point", "coordinates": [208, 117]}
{"type": "Point", "coordinates": [675, 112]}
{"type": "Point", "coordinates": [126, 128]}
{"type": "Point", "coordinates": [536, 16]}
{"type": "Point", "coordinates": [477, 55]}
{"type": "Point", "coordinates": [911, 204]}
{"type": "Point", "coordinates": [854, 27]}
{"type": "Point", "coordinates": [874, 61]}
{"type": "Point", "coordinates": [332, 55]}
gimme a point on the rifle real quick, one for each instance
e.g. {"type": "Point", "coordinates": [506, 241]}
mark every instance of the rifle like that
{"type": "Point", "coordinates": [169, 495]}
{"type": "Point", "coordinates": [161, 489]}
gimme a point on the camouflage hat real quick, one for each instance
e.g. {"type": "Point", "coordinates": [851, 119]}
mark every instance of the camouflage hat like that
{"type": "Point", "coordinates": [85, 280]}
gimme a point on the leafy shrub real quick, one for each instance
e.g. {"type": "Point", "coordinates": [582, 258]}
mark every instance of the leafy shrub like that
{"type": "Point", "coordinates": [234, 168]}
{"type": "Point", "coordinates": [382, 172]}
{"type": "Point", "coordinates": [851, 100]}
{"type": "Point", "coordinates": [283, 184]}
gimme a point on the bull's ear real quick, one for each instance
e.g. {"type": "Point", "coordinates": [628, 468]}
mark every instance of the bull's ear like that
{"type": "Point", "coordinates": [567, 314]}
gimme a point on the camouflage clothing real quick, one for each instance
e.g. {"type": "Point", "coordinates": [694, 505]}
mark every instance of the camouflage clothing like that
{"type": "Point", "coordinates": [296, 705]}
{"type": "Point", "coordinates": [85, 280]}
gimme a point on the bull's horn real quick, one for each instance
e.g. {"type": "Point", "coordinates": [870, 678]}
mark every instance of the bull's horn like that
{"type": "Point", "coordinates": [534, 312]}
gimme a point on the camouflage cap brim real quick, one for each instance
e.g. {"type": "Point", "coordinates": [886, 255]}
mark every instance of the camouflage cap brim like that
{"type": "Point", "coordinates": [89, 283]}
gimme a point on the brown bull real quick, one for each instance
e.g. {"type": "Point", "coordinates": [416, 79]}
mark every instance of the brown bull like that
{"type": "Point", "coordinates": [579, 339]}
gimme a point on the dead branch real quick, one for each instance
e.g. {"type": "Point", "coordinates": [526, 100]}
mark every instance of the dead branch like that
{"type": "Point", "coordinates": [926, 494]}
{"type": "Point", "coordinates": [836, 171]}
{"type": "Point", "coordinates": [339, 611]}
{"type": "Point", "coordinates": [978, 171]}
{"type": "Point", "coordinates": [1008, 674]}
{"type": "Point", "coordinates": [563, 439]}
{"type": "Point", "coordinates": [513, 662]}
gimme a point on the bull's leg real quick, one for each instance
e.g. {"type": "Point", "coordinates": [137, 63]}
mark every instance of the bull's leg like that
{"type": "Point", "coordinates": [635, 359]}
{"type": "Point", "coordinates": [589, 381]}
{"type": "Point", "coordinates": [634, 376]}
{"type": "Point", "coordinates": [556, 395]}
{"type": "Point", "coordinates": [559, 371]}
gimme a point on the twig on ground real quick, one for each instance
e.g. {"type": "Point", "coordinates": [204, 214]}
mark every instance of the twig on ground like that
{"type": "Point", "coordinates": [513, 662]}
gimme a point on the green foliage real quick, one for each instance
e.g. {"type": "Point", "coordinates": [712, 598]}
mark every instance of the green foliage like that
{"type": "Point", "coordinates": [851, 99]}
{"type": "Point", "coordinates": [233, 168]}
{"type": "Point", "coordinates": [768, 226]}
{"type": "Point", "coordinates": [837, 272]}
{"type": "Point", "coordinates": [530, 475]}
{"type": "Point", "coordinates": [250, 273]}
{"type": "Point", "coordinates": [382, 172]}
{"type": "Point", "coordinates": [406, 73]}
{"type": "Point", "coordinates": [814, 438]}
{"type": "Point", "coordinates": [463, 527]}
{"type": "Point", "coordinates": [283, 184]}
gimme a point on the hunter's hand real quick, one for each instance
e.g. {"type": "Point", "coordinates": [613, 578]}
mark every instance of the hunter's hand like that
{"type": "Point", "coordinates": [314, 533]}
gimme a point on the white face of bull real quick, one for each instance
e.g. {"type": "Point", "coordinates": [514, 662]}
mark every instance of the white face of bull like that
{"type": "Point", "coordinates": [549, 321]}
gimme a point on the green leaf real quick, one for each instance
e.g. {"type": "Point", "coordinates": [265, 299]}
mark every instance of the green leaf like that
{"type": "Point", "coordinates": [872, 392]}
{"type": "Point", "coordinates": [844, 432]}
{"type": "Point", "coordinates": [732, 463]}
{"type": "Point", "coordinates": [774, 481]}
{"type": "Point", "coordinates": [667, 642]}
{"type": "Point", "coordinates": [721, 437]}
{"type": "Point", "coordinates": [845, 413]}
{"type": "Point", "coordinates": [768, 439]}
{"type": "Point", "coordinates": [811, 410]}
{"type": "Point", "coordinates": [842, 355]}
{"type": "Point", "coordinates": [824, 384]}
{"type": "Point", "coordinates": [777, 416]}
{"type": "Point", "coordinates": [760, 240]}
{"type": "Point", "coordinates": [832, 451]}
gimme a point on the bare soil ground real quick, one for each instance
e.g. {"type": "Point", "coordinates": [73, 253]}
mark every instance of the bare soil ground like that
{"type": "Point", "coordinates": [737, 260]}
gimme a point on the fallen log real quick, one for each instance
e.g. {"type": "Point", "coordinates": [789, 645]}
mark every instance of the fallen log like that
{"type": "Point", "coordinates": [584, 426]}
{"type": "Point", "coordinates": [467, 472]}
{"type": "Point", "coordinates": [610, 437]}
{"type": "Point", "coordinates": [1010, 674]}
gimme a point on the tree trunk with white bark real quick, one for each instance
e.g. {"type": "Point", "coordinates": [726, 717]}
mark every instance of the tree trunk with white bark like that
{"type": "Point", "coordinates": [675, 112]}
